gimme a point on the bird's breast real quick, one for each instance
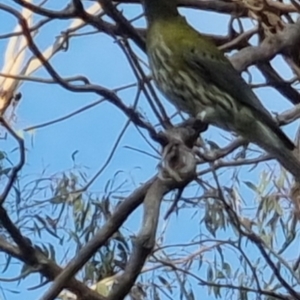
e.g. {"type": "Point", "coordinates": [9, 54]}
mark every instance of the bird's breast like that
{"type": "Point", "coordinates": [189, 90]}
{"type": "Point", "coordinates": [170, 77]}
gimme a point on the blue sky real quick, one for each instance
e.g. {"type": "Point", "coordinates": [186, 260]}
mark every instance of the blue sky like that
{"type": "Point", "coordinates": [94, 132]}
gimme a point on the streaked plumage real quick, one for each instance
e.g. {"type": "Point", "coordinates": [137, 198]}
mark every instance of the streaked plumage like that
{"type": "Point", "coordinates": [197, 78]}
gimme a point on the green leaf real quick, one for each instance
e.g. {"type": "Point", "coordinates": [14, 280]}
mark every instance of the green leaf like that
{"type": "Point", "coordinates": [217, 291]}
{"type": "Point", "coordinates": [251, 186]}
{"type": "Point", "coordinates": [220, 275]}
{"type": "Point", "coordinates": [210, 273]}
{"type": "Point", "coordinates": [2, 155]}
{"type": "Point", "coordinates": [227, 269]}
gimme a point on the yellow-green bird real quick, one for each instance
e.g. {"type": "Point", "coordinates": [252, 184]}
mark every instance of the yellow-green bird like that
{"type": "Point", "coordinates": [198, 79]}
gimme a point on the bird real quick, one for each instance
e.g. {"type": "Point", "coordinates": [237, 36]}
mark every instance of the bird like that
{"type": "Point", "coordinates": [198, 79]}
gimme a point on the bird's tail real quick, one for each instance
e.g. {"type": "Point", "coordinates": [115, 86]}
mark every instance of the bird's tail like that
{"type": "Point", "coordinates": [289, 161]}
{"type": "Point", "coordinates": [273, 143]}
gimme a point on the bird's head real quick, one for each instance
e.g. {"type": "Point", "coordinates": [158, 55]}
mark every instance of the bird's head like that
{"type": "Point", "coordinates": [159, 9]}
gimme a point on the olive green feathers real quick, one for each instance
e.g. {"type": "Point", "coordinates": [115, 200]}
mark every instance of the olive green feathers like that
{"type": "Point", "coordinates": [198, 79]}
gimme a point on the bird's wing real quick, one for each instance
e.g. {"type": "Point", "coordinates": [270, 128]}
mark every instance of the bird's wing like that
{"type": "Point", "coordinates": [220, 72]}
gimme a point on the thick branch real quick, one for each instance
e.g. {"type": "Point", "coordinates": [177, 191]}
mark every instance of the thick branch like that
{"type": "Point", "coordinates": [37, 260]}
{"type": "Point", "coordinates": [180, 164]}
{"type": "Point", "coordinates": [271, 46]}
{"type": "Point", "coordinates": [101, 237]}
{"type": "Point", "coordinates": [144, 242]}
{"type": "Point", "coordinates": [16, 169]}
{"type": "Point", "coordinates": [275, 80]}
